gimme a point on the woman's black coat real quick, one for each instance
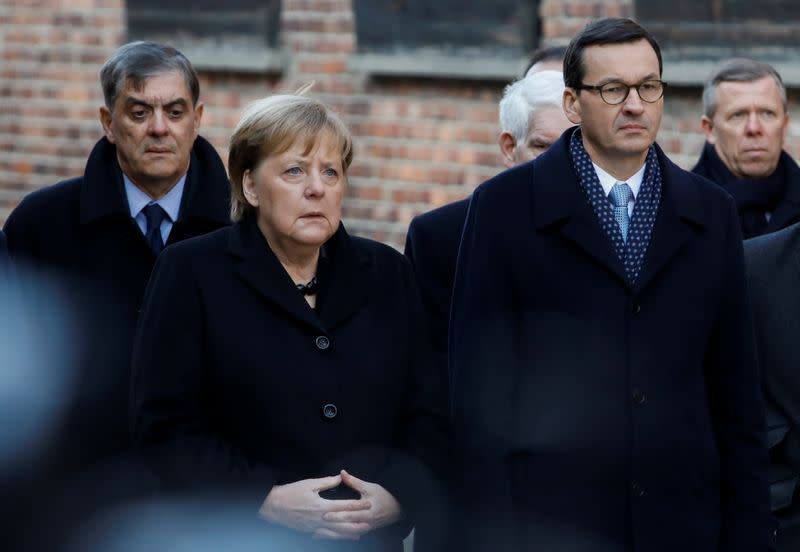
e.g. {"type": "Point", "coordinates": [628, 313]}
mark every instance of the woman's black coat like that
{"type": "Point", "coordinates": [238, 384]}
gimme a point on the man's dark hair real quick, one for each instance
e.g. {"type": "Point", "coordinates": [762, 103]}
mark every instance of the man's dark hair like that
{"type": "Point", "coordinates": [135, 62]}
{"type": "Point", "coordinates": [616, 30]}
{"type": "Point", "coordinates": [551, 53]}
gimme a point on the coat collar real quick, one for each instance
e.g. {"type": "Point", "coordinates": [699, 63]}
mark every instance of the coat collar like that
{"type": "Point", "coordinates": [349, 274]}
{"type": "Point", "coordinates": [559, 203]}
{"type": "Point", "coordinates": [788, 210]}
{"type": "Point", "coordinates": [206, 193]}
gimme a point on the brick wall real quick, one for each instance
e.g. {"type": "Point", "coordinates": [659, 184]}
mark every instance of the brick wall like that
{"type": "Point", "coordinates": [50, 53]}
{"type": "Point", "coordinates": [419, 142]}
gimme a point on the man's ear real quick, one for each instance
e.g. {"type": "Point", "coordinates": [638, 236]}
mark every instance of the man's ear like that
{"type": "Point", "coordinates": [508, 144]}
{"type": "Point", "coordinates": [572, 105]}
{"type": "Point", "coordinates": [785, 125]}
{"type": "Point", "coordinates": [707, 125]}
{"type": "Point", "coordinates": [105, 120]}
{"type": "Point", "coordinates": [198, 116]}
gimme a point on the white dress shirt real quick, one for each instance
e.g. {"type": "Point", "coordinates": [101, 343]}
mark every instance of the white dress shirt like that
{"type": "Point", "coordinates": [634, 183]}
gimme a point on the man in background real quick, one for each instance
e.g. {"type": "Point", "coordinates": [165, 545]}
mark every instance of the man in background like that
{"type": "Point", "coordinates": [531, 118]}
{"type": "Point", "coordinates": [546, 59]}
{"type": "Point", "coordinates": [745, 119]}
{"type": "Point", "coordinates": [150, 181]}
{"type": "Point", "coordinates": [773, 270]}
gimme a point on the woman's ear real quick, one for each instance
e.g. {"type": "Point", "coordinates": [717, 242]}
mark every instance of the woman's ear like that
{"type": "Point", "coordinates": [249, 188]}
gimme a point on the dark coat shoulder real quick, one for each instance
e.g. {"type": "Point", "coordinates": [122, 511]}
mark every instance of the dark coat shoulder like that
{"type": "Point", "coordinates": [432, 246]}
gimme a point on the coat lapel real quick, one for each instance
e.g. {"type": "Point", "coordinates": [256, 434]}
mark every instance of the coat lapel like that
{"type": "Point", "coordinates": [206, 195]}
{"type": "Point", "coordinates": [795, 265]}
{"type": "Point", "coordinates": [348, 272]}
{"type": "Point", "coordinates": [260, 269]}
{"type": "Point", "coordinates": [350, 280]}
{"type": "Point", "coordinates": [788, 210]}
{"type": "Point", "coordinates": [560, 203]}
{"type": "Point", "coordinates": [679, 216]}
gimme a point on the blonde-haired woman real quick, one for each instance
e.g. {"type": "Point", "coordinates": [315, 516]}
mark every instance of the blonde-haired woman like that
{"type": "Point", "coordinates": [284, 358]}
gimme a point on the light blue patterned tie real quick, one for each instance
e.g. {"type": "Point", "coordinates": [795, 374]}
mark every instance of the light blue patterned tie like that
{"type": "Point", "coordinates": [620, 196]}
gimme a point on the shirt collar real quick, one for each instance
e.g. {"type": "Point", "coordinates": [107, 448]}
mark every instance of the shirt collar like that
{"type": "Point", "coordinates": [607, 181]}
{"type": "Point", "coordinates": [138, 200]}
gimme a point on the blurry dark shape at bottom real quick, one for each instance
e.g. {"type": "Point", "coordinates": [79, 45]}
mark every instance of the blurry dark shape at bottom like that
{"type": "Point", "coordinates": [55, 470]}
{"type": "Point", "coordinates": [197, 524]}
{"type": "Point", "coordinates": [36, 365]}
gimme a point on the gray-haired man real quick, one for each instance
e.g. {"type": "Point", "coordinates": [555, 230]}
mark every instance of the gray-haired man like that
{"type": "Point", "coordinates": [150, 181]}
{"type": "Point", "coordinates": [745, 121]}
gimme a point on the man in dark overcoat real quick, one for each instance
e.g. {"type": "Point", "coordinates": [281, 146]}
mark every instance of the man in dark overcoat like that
{"type": "Point", "coordinates": [745, 120]}
{"type": "Point", "coordinates": [601, 351]}
{"type": "Point", "coordinates": [773, 271]}
{"type": "Point", "coordinates": [149, 182]}
{"type": "Point", "coordinates": [531, 118]}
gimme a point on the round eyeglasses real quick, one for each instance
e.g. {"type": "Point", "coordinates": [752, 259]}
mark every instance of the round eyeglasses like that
{"type": "Point", "coordinates": [615, 92]}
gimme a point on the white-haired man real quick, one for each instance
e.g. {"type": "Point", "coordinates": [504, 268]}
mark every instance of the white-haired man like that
{"type": "Point", "coordinates": [531, 118]}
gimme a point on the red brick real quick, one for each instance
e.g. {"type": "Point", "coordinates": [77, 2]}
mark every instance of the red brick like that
{"type": "Point", "coordinates": [419, 143]}
{"type": "Point", "coordinates": [325, 66]}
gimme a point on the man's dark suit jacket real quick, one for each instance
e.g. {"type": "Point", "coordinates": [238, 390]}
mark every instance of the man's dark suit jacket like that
{"type": "Point", "coordinates": [590, 415]}
{"type": "Point", "coordinates": [237, 383]}
{"type": "Point", "coordinates": [773, 270]}
{"type": "Point", "coordinates": [432, 246]}
{"type": "Point", "coordinates": [3, 247]}
{"type": "Point", "coordinates": [81, 232]}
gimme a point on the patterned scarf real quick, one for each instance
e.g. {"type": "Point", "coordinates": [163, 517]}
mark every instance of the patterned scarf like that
{"type": "Point", "coordinates": [632, 252]}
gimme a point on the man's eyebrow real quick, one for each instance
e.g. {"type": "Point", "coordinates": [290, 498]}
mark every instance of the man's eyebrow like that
{"type": "Point", "coordinates": [131, 101]}
{"type": "Point", "coordinates": [180, 102]}
{"type": "Point", "coordinates": [651, 76]}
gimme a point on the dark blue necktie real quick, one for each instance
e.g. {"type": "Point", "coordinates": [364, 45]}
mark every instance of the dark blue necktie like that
{"type": "Point", "coordinates": [155, 215]}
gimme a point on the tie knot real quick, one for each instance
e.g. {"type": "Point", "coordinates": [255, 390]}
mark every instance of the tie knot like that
{"type": "Point", "coordinates": [620, 194]}
{"type": "Point", "coordinates": [155, 215]}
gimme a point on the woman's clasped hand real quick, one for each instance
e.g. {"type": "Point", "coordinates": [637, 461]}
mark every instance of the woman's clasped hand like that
{"type": "Point", "coordinates": [298, 505]}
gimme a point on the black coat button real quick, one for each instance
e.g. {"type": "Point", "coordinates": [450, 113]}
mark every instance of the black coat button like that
{"type": "Point", "coordinates": [330, 411]}
{"type": "Point", "coordinates": [639, 396]}
{"type": "Point", "coordinates": [637, 489]}
{"type": "Point", "coordinates": [637, 308]}
{"type": "Point", "coordinates": [322, 342]}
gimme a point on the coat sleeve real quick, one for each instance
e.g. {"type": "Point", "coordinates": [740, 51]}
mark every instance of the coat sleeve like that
{"type": "Point", "coordinates": [433, 288]}
{"type": "Point", "coordinates": [483, 329]}
{"type": "Point", "coordinates": [3, 247]}
{"type": "Point", "coordinates": [20, 236]}
{"type": "Point", "coordinates": [415, 475]}
{"type": "Point", "coordinates": [169, 390]}
{"type": "Point", "coordinates": [482, 362]}
{"type": "Point", "coordinates": [734, 390]}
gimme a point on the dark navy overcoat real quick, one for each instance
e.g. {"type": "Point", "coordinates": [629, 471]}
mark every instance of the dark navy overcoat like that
{"type": "Point", "coordinates": [589, 414]}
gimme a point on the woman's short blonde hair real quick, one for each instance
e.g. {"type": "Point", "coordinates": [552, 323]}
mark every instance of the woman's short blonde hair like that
{"type": "Point", "coordinates": [273, 125]}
